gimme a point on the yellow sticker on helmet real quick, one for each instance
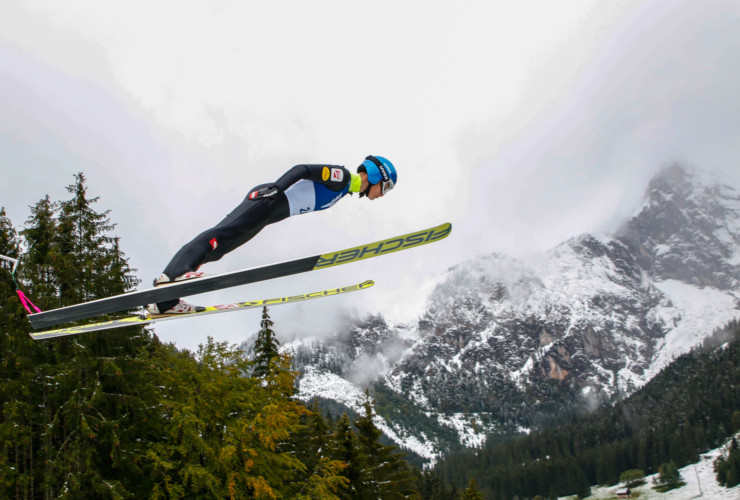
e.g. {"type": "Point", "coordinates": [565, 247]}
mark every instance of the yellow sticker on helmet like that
{"type": "Point", "coordinates": [325, 174]}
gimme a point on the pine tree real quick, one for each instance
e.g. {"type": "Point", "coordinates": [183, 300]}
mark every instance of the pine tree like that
{"type": "Point", "coordinates": [29, 367]}
{"type": "Point", "coordinates": [78, 400]}
{"type": "Point", "coordinates": [727, 466]}
{"type": "Point", "coordinates": [471, 492]}
{"type": "Point", "coordinates": [87, 255]}
{"type": "Point", "coordinates": [345, 449]}
{"type": "Point", "coordinates": [101, 381]}
{"type": "Point", "coordinates": [733, 473]}
{"type": "Point", "coordinates": [432, 487]}
{"type": "Point", "coordinates": [385, 475]}
{"type": "Point", "coordinates": [38, 270]}
{"type": "Point", "coordinates": [10, 313]}
{"type": "Point", "coordinates": [16, 434]}
{"type": "Point", "coordinates": [266, 347]}
{"type": "Point", "coordinates": [9, 245]}
{"type": "Point", "coordinates": [318, 431]}
{"type": "Point", "coordinates": [312, 445]}
{"type": "Point", "coordinates": [668, 477]}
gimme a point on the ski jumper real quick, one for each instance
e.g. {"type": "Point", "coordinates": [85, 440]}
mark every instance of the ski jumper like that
{"type": "Point", "coordinates": [302, 189]}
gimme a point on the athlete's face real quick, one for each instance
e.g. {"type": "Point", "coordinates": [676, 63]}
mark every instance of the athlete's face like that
{"type": "Point", "coordinates": [375, 192]}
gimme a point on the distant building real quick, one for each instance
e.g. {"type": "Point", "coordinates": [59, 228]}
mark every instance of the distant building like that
{"type": "Point", "coordinates": [624, 493]}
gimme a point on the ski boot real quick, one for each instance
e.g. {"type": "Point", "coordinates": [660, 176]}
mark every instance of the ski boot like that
{"type": "Point", "coordinates": [181, 307]}
{"type": "Point", "coordinates": [163, 279]}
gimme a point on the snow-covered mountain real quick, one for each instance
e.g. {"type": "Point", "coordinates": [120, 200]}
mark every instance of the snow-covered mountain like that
{"type": "Point", "coordinates": [507, 344]}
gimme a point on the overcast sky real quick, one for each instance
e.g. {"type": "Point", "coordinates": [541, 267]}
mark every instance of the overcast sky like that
{"type": "Point", "coordinates": [522, 123]}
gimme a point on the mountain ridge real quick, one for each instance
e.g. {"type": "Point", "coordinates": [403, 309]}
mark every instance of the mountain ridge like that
{"type": "Point", "coordinates": [507, 344]}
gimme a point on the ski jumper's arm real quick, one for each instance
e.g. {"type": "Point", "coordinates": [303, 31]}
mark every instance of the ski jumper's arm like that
{"type": "Point", "coordinates": [334, 177]}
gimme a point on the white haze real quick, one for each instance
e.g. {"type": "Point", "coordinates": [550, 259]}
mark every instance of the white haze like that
{"type": "Point", "coordinates": [522, 123]}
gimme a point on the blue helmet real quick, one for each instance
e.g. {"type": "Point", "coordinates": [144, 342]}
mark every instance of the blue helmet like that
{"type": "Point", "coordinates": [381, 170]}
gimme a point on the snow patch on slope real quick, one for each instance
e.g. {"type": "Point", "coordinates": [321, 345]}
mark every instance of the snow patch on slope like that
{"type": "Point", "coordinates": [690, 313]}
{"type": "Point", "coordinates": [469, 431]}
{"type": "Point", "coordinates": [316, 383]}
{"type": "Point", "coordinates": [700, 480]}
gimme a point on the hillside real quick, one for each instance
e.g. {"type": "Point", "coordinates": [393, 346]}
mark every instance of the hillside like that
{"type": "Point", "coordinates": [673, 418]}
{"type": "Point", "coordinates": [507, 345]}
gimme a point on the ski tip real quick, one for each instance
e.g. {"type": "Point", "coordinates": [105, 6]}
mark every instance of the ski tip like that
{"type": "Point", "coordinates": [395, 244]}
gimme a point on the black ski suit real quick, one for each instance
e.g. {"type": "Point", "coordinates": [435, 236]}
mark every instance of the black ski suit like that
{"type": "Point", "coordinates": [302, 189]}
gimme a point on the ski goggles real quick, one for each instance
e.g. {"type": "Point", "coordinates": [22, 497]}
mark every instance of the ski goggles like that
{"type": "Point", "coordinates": [386, 186]}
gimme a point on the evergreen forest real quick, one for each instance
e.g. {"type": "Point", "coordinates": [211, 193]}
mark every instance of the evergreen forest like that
{"type": "Point", "coordinates": [691, 407]}
{"type": "Point", "coordinates": [119, 414]}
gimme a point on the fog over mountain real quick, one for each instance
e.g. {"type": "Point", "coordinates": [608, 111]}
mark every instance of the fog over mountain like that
{"type": "Point", "coordinates": [506, 344]}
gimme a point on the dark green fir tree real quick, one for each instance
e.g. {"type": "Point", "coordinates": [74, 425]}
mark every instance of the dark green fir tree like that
{"type": "Point", "coordinates": [87, 404]}
{"type": "Point", "coordinates": [385, 474]}
{"type": "Point", "coordinates": [727, 467]}
{"type": "Point", "coordinates": [266, 347]}
{"type": "Point", "coordinates": [37, 269]}
{"type": "Point", "coordinates": [432, 487]}
{"type": "Point", "coordinates": [668, 477]}
{"type": "Point", "coordinates": [10, 313]}
{"type": "Point", "coordinates": [471, 492]}
{"type": "Point", "coordinates": [324, 476]}
{"type": "Point", "coordinates": [87, 255]}
{"type": "Point", "coordinates": [16, 372]}
{"type": "Point", "coordinates": [346, 449]}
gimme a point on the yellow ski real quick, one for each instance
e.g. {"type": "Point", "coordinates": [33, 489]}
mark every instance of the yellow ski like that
{"type": "Point", "coordinates": [143, 319]}
{"type": "Point", "coordinates": [131, 300]}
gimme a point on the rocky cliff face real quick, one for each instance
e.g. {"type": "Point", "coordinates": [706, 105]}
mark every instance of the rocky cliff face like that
{"type": "Point", "coordinates": [687, 231]}
{"type": "Point", "coordinates": [507, 344]}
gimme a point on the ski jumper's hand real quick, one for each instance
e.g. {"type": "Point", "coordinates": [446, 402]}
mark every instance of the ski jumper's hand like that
{"type": "Point", "coordinates": [269, 191]}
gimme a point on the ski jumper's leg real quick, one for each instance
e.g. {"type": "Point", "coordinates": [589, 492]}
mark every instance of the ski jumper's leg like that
{"type": "Point", "coordinates": [240, 226]}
